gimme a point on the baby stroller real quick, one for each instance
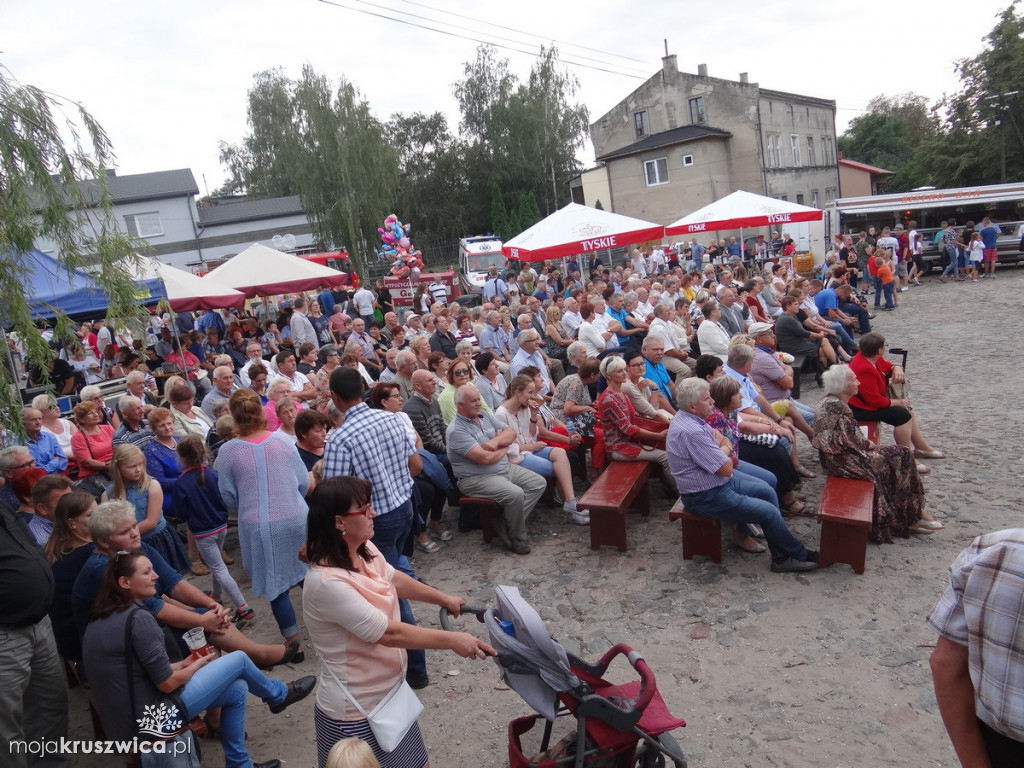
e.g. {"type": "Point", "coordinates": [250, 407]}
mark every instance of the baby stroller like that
{"type": "Point", "coordinates": [625, 726]}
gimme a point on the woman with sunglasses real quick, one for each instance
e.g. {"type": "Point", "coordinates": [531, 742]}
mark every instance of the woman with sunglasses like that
{"type": "Point", "coordinates": [460, 372]}
{"type": "Point", "coordinates": [350, 606]}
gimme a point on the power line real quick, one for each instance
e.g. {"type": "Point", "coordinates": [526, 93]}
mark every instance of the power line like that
{"type": "Point", "coordinates": [522, 32]}
{"type": "Point", "coordinates": [473, 39]}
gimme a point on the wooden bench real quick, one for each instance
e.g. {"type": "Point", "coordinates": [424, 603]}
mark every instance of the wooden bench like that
{"type": "Point", "coordinates": [845, 515]}
{"type": "Point", "coordinates": [489, 512]}
{"type": "Point", "coordinates": [612, 493]}
{"type": "Point", "coordinates": [701, 535]}
{"type": "Point", "coordinates": [873, 430]}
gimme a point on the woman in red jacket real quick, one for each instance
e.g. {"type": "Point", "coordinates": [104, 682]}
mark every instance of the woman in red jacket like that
{"type": "Point", "coordinates": [872, 403]}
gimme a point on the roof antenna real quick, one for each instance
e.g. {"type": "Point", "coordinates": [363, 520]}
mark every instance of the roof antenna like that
{"type": "Point", "coordinates": [666, 46]}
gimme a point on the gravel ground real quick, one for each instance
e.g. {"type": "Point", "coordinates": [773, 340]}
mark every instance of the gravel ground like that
{"type": "Point", "coordinates": [824, 669]}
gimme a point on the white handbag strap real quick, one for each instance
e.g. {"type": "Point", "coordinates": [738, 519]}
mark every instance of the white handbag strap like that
{"type": "Point", "coordinates": [345, 690]}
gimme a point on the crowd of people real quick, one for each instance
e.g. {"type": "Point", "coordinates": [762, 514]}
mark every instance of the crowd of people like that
{"type": "Point", "coordinates": [334, 432]}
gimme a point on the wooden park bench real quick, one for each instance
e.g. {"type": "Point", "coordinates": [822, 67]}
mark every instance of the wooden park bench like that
{"type": "Point", "coordinates": [845, 516]}
{"type": "Point", "coordinates": [701, 535]}
{"type": "Point", "coordinates": [612, 493]}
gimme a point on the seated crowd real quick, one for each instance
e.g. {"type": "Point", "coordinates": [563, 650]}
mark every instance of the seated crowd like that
{"type": "Point", "coordinates": [394, 419]}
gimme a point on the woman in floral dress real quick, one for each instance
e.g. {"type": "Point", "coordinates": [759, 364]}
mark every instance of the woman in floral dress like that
{"type": "Point", "coordinates": [845, 452]}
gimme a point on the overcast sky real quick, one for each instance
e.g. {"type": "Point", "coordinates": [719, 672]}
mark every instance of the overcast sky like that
{"type": "Point", "coordinates": [168, 80]}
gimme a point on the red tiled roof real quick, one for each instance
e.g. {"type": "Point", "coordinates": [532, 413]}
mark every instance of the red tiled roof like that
{"type": "Point", "coordinates": [865, 167]}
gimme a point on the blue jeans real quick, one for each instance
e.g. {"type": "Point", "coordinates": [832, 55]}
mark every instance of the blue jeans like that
{"type": "Point", "coordinates": [390, 531]}
{"type": "Point", "coordinates": [845, 339]}
{"type": "Point", "coordinates": [805, 410]}
{"type": "Point", "coordinates": [887, 290]}
{"type": "Point", "coordinates": [876, 283]}
{"type": "Point", "coordinates": [954, 263]}
{"type": "Point", "coordinates": [284, 614]}
{"type": "Point", "coordinates": [539, 462]}
{"type": "Point", "coordinates": [856, 310]}
{"type": "Point", "coordinates": [226, 683]}
{"type": "Point", "coordinates": [756, 472]}
{"type": "Point", "coordinates": [745, 500]}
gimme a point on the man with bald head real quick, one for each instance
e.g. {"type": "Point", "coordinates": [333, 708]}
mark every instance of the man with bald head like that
{"type": "Point", "coordinates": [45, 450]}
{"type": "Point", "coordinates": [223, 386]}
{"type": "Point", "coordinates": [424, 412]}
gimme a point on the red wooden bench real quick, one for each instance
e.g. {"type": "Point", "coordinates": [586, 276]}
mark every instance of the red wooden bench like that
{"type": "Point", "coordinates": [701, 535]}
{"type": "Point", "coordinates": [872, 430]}
{"type": "Point", "coordinates": [845, 516]}
{"type": "Point", "coordinates": [612, 493]}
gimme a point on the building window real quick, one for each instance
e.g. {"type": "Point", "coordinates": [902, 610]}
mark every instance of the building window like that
{"type": "Point", "coordinates": [830, 194]}
{"type": "Point", "coordinates": [794, 141]}
{"type": "Point", "coordinates": [656, 171]}
{"type": "Point", "coordinates": [831, 157]}
{"type": "Point", "coordinates": [697, 110]}
{"type": "Point", "coordinates": [783, 198]}
{"type": "Point", "coordinates": [810, 151]}
{"type": "Point", "coordinates": [814, 198]}
{"type": "Point", "coordinates": [144, 225]}
{"type": "Point", "coordinates": [800, 198]}
{"type": "Point", "coordinates": [824, 151]}
{"type": "Point", "coordinates": [687, 161]}
{"type": "Point", "coordinates": [774, 153]}
{"type": "Point", "coordinates": [641, 124]}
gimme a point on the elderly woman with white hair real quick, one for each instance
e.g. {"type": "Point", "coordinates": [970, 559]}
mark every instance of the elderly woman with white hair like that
{"type": "Point", "coordinates": [711, 335]}
{"type": "Point", "coordinates": [624, 440]}
{"type": "Point", "coordinates": [845, 452]}
{"type": "Point", "coordinates": [95, 394]}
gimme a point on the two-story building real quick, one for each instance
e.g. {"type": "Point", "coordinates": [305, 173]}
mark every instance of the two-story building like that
{"type": "Point", "coordinates": [682, 140]}
{"type": "Point", "coordinates": [161, 209]}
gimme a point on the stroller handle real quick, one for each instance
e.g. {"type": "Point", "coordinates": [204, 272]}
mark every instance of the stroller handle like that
{"type": "Point", "coordinates": [446, 623]}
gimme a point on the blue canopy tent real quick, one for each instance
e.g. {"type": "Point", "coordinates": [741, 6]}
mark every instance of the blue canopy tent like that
{"type": "Point", "coordinates": [50, 284]}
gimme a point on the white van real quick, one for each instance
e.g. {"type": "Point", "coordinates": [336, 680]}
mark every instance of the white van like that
{"type": "Point", "coordinates": [476, 256]}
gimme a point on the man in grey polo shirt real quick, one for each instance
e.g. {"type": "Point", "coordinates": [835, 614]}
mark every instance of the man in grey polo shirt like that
{"type": "Point", "coordinates": [477, 448]}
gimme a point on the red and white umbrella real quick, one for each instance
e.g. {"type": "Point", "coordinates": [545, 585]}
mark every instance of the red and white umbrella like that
{"type": "Point", "coordinates": [187, 292]}
{"type": "Point", "coordinates": [742, 210]}
{"type": "Point", "coordinates": [578, 229]}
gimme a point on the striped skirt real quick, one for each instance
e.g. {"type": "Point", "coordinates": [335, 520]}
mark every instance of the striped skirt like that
{"type": "Point", "coordinates": [410, 753]}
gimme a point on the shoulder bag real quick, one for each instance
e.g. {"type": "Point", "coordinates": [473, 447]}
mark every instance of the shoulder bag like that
{"type": "Point", "coordinates": [394, 716]}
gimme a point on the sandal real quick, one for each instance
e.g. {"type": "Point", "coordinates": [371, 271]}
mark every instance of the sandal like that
{"type": "Point", "coordinates": [919, 529]}
{"type": "Point", "coordinates": [429, 546]}
{"type": "Point", "coordinates": [929, 454]}
{"type": "Point", "coordinates": [923, 469]}
{"type": "Point", "coordinates": [805, 472]}
{"type": "Point", "coordinates": [931, 525]}
{"type": "Point", "coordinates": [443, 535]}
{"type": "Point", "coordinates": [754, 549]}
{"type": "Point", "coordinates": [799, 509]}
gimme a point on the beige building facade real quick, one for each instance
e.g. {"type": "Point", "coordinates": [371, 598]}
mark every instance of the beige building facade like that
{"type": "Point", "coordinates": [682, 140]}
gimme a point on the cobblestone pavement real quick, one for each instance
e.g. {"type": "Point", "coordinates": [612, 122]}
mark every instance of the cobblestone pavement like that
{"type": "Point", "coordinates": [828, 668]}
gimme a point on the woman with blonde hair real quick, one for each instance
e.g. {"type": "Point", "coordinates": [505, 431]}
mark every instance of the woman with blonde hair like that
{"type": "Point", "coordinates": [351, 753]}
{"type": "Point", "coordinates": [61, 428]}
{"type": "Point", "coordinates": [92, 445]}
{"type": "Point", "coordinates": [133, 484]}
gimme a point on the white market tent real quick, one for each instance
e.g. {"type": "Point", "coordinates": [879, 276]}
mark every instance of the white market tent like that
{"type": "Point", "coordinates": [262, 271]}
{"type": "Point", "coordinates": [577, 229]}
{"type": "Point", "coordinates": [187, 292]}
{"type": "Point", "coordinates": [742, 210]}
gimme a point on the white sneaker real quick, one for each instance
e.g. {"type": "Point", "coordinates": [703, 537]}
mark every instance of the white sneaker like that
{"type": "Point", "coordinates": [578, 518]}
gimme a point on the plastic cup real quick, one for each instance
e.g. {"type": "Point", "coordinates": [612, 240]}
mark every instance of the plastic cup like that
{"type": "Point", "coordinates": [195, 639]}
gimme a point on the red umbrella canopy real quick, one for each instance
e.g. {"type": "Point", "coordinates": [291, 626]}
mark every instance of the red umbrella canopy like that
{"type": "Point", "coordinates": [741, 210]}
{"type": "Point", "coordinates": [578, 229]}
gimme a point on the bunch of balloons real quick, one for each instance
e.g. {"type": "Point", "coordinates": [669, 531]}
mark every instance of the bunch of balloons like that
{"type": "Point", "coordinates": [398, 249]}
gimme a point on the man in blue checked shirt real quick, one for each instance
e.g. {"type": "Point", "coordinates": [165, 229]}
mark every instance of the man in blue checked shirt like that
{"type": "Point", "coordinates": [374, 446]}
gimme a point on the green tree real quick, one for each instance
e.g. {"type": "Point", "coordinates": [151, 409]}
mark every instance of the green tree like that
{"type": "Point", "coordinates": [432, 187]}
{"type": "Point", "coordinates": [323, 143]}
{"type": "Point", "coordinates": [522, 136]}
{"type": "Point", "coordinates": [54, 157]}
{"type": "Point", "coordinates": [983, 137]}
{"type": "Point", "coordinates": [529, 211]}
{"type": "Point", "coordinates": [514, 225]}
{"type": "Point", "coordinates": [890, 134]}
{"type": "Point", "coordinates": [499, 216]}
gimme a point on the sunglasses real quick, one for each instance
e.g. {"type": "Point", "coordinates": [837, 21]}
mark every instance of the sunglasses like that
{"type": "Point", "coordinates": [363, 511]}
{"type": "Point", "coordinates": [461, 372]}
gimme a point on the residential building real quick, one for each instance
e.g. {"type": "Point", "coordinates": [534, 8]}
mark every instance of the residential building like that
{"type": "Point", "coordinates": [161, 209]}
{"type": "Point", "coordinates": [682, 140]}
{"type": "Point", "coordinates": [860, 179]}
